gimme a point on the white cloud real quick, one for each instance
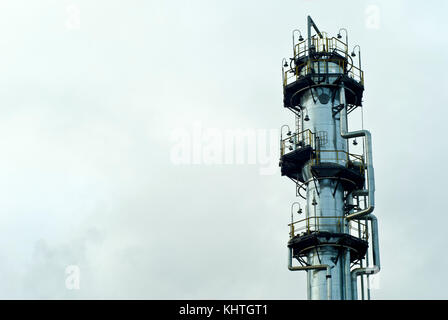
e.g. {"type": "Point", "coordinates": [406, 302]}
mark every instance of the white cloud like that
{"type": "Point", "coordinates": [85, 122]}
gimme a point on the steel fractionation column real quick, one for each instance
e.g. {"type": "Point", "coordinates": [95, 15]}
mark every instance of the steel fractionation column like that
{"type": "Point", "coordinates": [336, 230]}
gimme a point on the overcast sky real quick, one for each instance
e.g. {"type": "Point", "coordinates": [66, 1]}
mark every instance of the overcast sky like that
{"type": "Point", "coordinates": [95, 93]}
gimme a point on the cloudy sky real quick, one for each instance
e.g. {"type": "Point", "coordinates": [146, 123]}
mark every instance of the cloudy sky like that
{"type": "Point", "coordinates": [97, 95]}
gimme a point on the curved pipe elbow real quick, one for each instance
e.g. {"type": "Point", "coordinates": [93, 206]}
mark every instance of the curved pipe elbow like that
{"type": "Point", "coordinates": [360, 214]}
{"type": "Point", "coordinates": [376, 258]}
{"type": "Point", "coordinates": [364, 271]}
{"type": "Point", "coordinates": [369, 161]}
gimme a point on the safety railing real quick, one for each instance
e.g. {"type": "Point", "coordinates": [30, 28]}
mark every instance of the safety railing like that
{"type": "Point", "coordinates": [318, 67]}
{"type": "Point", "coordinates": [321, 66]}
{"type": "Point", "coordinates": [325, 44]}
{"type": "Point", "coordinates": [339, 156]}
{"type": "Point", "coordinates": [307, 138]}
{"type": "Point", "coordinates": [296, 141]}
{"type": "Point", "coordinates": [328, 223]}
{"type": "Point", "coordinates": [289, 76]}
{"type": "Point", "coordinates": [357, 74]}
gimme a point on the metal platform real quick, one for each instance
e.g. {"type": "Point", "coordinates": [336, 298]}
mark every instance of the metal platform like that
{"type": "Point", "coordinates": [292, 163]}
{"type": "Point", "coordinates": [294, 90]}
{"type": "Point", "coordinates": [350, 178]}
{"type": "Point", "coordinates": [302, 244]}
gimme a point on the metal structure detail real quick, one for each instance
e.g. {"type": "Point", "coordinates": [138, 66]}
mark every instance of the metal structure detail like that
{"type": "Point", "coordinates": [336, 231]}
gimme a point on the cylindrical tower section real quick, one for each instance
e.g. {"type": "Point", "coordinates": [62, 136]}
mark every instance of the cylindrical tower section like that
{"type": "Point", "coordinates": [328, 177]}
{"type": "Point", "coordinates": [324, 196]}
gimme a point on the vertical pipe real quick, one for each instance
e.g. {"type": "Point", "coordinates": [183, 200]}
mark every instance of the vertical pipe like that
{"type": "Point", "coordinates": [367, 257]}
{"type": "Point", "coordinates": [347, 279]}
{"type": "Point", "coordinates": [369, 159]}
{"type": "Point", "coordinates": [308, 283]}
{"type": "Point", "coordinates": [301, 117]}
{"type": "Point", "coordinates": [375, 241]}
{"type": "Point", "coordinates": [309, 38]}
{"type": "Point", "coordinates": [360, 263]}
{"type": "Point", "coordinates": [376, 257]}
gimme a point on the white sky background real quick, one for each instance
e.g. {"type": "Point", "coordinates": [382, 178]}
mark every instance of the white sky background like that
{"type": "Point", "coordinates": [87, 116]}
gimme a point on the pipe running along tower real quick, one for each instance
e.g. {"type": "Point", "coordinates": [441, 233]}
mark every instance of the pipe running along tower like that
{"type": "Point", "coordinates": [333, 235]}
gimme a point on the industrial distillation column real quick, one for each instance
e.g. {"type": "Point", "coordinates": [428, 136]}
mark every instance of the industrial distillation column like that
{"type": "Point", "coordinates": [321, 85]}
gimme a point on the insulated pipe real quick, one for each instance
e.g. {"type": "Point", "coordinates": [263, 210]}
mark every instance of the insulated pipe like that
{"type": "Point", "coordinates": [347, 279]}
{"type": "Point", "coordinates": [376, 258]}
{"type": "Point", "coordinates": [357, 272]}
{"type": "Point", "coordinates": [375, 242]}
{"type": "Point", "coordinates": [312, 24]}
{"type": "Point", "coordinates": [315, 267]}
{"type": "Point", "coordinates": [370, 176]}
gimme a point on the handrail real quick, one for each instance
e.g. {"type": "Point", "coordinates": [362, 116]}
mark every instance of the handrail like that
{"type": "Point", "coordinates": [326, 44]}
{"type": "Point", "coordinates": [347, 157]}
{"type": "Point", "coordinates": [310, 67]}
{"type": "Point", "coordinates": [302, 138]}
{"type": "Point", "coordinates": [313, 224]}
{"type": "Point", "coordinates": [358, 75]}
{"type": "Point", "coordinates": [307, 138]}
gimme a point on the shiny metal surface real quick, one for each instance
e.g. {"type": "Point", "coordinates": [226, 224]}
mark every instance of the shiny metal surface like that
{"type": "Point", "coordinates": [376, 258]}
{"type": "Point", "coordinates": [324, 198]}
{"type": "Point", "coordinates": [369, 161]}
{"type": "Point", "coordinates": [322, 127]}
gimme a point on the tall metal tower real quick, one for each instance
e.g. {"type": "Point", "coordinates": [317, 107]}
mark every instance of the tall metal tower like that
{"type": "Point", "coordinates": [335, 232]}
